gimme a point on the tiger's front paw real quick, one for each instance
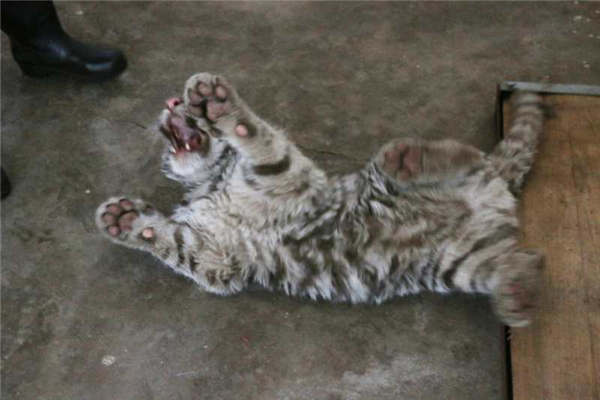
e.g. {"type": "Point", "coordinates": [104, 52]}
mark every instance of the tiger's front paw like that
{"type": "Point", "coordinates": [212, 98]}
{"type": "Point", "coordinates": [127, 222]}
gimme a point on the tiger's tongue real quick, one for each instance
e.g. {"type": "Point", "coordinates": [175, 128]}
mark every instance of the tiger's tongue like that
{"type": "Point", "coordinates": [182, 132]}
{"type": "Point", "coordinates": [187, 139]}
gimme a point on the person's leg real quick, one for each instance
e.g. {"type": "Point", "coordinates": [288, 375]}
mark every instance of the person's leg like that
{"type": "Point", "coordinates": [25, 20]}
{"type": "Point", "coordinates": [40, 45]}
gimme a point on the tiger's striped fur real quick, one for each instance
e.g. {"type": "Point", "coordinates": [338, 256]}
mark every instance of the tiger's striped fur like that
{"type": "Point", "coordinates": [421, 215]}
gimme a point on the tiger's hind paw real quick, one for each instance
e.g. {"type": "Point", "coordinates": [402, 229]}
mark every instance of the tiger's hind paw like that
{"type": "Point", "coordinates": [515, 296]}
{"type": "Point", "coordinates": [401, 159]}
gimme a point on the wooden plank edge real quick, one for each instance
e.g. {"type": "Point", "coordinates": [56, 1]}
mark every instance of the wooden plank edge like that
{"type": "Point", "coordinates": [550, 88]}
{"type": "Point", "coordinates": [508, 379]}
{"type": "Point", "coordinates": [503, 90]}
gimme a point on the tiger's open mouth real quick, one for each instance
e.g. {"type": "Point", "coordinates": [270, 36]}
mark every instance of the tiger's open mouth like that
{"type": "Point", "coordinates": [182, 131]}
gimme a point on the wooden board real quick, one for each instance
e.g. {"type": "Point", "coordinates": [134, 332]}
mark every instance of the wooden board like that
{"type": "Point", "coordinates": [558, 356]}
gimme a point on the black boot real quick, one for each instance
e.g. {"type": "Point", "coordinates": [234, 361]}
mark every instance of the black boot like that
{"type": "Point", "coordinates": [5, 184]}
{"type": "Point", "coordinates": [41, 47]}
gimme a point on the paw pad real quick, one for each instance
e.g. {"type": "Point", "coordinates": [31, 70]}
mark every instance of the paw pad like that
{"type": "Point", "coordinates": [402, 161]}
{"type": "Point", "coordinates": [516, 294]}
{"type": "Point", "coordinates": [148, 233]}
{"type": "Point", "coordinates": [221, 93]}
{"type": "Point", "coordinates": [207, 97]}
{"type": "Point", "coordinates": [241, 130]}
{"type": "Point", "coordinates": [126, 204]}
{"type": "Point", "coordinates": [204, 89]}
{"type": "Point", "coordinates": [118, 216]}
{"type": "Point", "coordinates": [211, 98]}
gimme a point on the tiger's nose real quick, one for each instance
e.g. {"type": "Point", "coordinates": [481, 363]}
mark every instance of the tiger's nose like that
{"type": "Point", "coordinates": [173, 102]}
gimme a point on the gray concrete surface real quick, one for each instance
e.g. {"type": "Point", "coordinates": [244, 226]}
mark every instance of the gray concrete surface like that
{"type": "Point", "coordinates": [84, 319]}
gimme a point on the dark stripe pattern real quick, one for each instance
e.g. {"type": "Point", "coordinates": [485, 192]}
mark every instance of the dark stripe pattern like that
{"type": "Point", "coordinates": [276, 168]}
{"type": "Point", "coordinates": [502, 232]}
{"type": "Point", "coordinates": [178, 237]}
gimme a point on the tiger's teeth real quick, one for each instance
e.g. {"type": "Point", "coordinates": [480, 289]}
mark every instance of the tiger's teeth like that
{"type": "Point", "coordinates": [172, 150]}
{"type": "Point", "coordinates": [187, 147]}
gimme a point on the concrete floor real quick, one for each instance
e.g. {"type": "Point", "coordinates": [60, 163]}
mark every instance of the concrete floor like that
{"type": "Point", "coordinates": [343, 79]}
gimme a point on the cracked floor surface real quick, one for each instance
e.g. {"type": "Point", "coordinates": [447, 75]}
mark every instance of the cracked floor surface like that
{"type": "Point", "coordinates": [85, 319]}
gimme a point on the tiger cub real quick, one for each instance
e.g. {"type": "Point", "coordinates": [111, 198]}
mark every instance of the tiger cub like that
{"type": "Point", "coordinates": [421, 215]}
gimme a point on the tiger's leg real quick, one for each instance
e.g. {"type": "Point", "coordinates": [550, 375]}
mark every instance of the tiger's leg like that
{"type": "Point", "coordinates": [136, 224]}
{"type": "Point", "coordinates": [515, 285]}
{"type": "Point", "coordinates": [214, 99]}
{"type": "Point", "coordinates": [269, 161]}
{"type": "Point", "coordinates": [417, 160]}
{"type": "Point", "coordinates": [494, 266]}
